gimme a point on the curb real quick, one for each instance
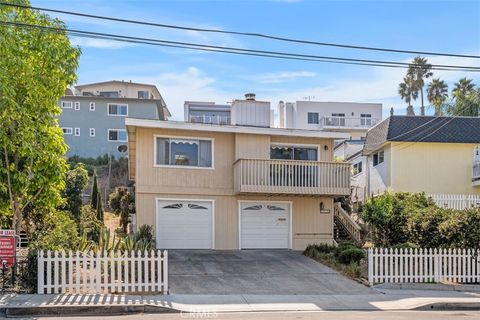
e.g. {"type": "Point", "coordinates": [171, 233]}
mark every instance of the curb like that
{"type": "Point", "coordinates": [429, 286]}
{"type": "Point", "coordinates": [86, 310]}
{"type": "Point", "coordinates": [450, 306]}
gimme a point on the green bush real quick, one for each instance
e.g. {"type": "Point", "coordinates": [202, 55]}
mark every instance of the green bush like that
{"type": "Point", "coordinates": [462, 229]}
{"type": "Point", "coordinates": [351, 255]}
{"type": "Point", "coordinates": [89, 225]}
{"type": "Point", "coordinates": [59, 232]}
{"type": "Point", "coordinates": [406, 245]}
{"type": "Point", "coordinates": [145, 233]}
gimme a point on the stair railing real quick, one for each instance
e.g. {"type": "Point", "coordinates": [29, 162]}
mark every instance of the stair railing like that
{"type": "Point", "coordinates": [352, 228]}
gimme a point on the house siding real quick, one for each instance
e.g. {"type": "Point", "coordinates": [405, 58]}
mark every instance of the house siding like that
{"type": "Point", "coordinates": [434, 168]}
{"type": "Point", "coordinates": [152, 182]}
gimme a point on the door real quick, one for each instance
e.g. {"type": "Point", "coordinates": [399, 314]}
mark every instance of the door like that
{"type": "Point", "coordinates": [183, 224]}
{"type": "Point", "coordinates": [265, 225]}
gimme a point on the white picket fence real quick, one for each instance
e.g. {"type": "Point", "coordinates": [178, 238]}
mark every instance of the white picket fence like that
{"type": "Point", "coordinates": [89, 272]}
{"type": "Point", "coordinates": [387, 265]}
{"type": "Point", "coordinates": [456, 201]}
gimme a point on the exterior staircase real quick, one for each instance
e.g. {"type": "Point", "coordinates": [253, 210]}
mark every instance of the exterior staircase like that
{"type": "Point", "coordinates": [345, 228]}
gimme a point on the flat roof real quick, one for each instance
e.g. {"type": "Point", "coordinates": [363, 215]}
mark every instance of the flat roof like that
{"type": "Point", "coordinates": [180, 125]}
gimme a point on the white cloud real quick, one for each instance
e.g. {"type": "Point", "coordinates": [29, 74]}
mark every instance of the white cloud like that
{"type": "Point", "coordinates": [280, 77]}
{"type": "Point", "coordinates": [99, 43]}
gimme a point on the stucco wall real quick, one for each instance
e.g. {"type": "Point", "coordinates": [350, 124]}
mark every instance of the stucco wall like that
{"type": "Point", "coordinates": [379, 175]}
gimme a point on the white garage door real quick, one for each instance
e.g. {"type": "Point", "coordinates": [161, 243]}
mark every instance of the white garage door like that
{"type": "Point", "coordinates": [184, 224]}
{"type": "Point", "coordinates": [265, 225]}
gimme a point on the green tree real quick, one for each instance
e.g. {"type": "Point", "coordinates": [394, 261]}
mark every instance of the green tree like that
{"type": "Point", "coordinates": [420, 70]}
{"type": "Point", "coordinates": [468, 105]}
{"type": "Point", "coordinates": [94, 197]}
{"type": "Point", "coordinates": [36, 68]}
{"type": "Point", "coordinates": [408, 92]}
{"type": "Point", "coordinates": [437, 93]}
{"type": "Point", "coordinates": [89, 225]}
{"type": "Point", "coordinates": [99, 208]}
{"type": "Point", "coordinates": [76, 182]}
{"type": "Point", "coordinates": [462, 88]}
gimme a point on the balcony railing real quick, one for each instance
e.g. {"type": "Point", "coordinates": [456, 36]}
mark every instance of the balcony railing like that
{"type": "Point", "coordinates": [291, 177]}
{"type": "Point", "coordinates": [210, 119]}
{"type": "Point", "coordinates": [345, 122]}
{"type": "Point", "coordinates": [476, 173]}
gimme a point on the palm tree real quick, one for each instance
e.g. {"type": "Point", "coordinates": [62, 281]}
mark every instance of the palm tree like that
{"type": "Point", "coordinates": [408, 91]}
{"type": "Point", "coordinates": [437, 93]}
{"type": "Point", "coordinates": [462, 87]}
{"type": "Point", "coordinates": [420, 70]}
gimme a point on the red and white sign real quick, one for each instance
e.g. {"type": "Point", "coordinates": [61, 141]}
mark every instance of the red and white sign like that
{"type": "Point", "coordinates": [7, 248]}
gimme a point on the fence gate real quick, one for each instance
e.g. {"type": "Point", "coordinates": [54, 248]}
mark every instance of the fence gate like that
{"type": "Point", "coordinates": [387, 265]}
{"type": "Point", "coordinates": [90, 272]}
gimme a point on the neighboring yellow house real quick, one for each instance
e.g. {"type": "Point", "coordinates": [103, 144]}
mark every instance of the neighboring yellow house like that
{"type": "Point", "coordinates": [205, 186]}
{"type": "Point", "coordinates": [435, 155]}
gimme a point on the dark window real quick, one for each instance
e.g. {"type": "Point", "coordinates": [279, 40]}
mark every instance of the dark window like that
{"type": "Point", "coordinates": [293, 153]}
{"type": "Point", "coordinates": [378, 158]}
{"type": "Point", "coordinates": [143, 95]}
{"type": "Point", "coordinates": [313, 117]}
{"type": "Point", "coordinates": [366, 119]}
{"type": "Point", "coordinates": [357, 168]}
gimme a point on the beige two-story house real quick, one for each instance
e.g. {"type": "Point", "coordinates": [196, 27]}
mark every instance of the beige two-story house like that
{"type": "Point", "coordinates": [243, 185]}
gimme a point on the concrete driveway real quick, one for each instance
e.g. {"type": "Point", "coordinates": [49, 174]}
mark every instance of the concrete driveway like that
{"type": "Point", "coordinates": [275, 272]}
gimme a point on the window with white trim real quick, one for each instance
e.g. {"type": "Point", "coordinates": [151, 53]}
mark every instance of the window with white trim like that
{"type": "Point", "coordinates": [143, 94]}
{"type": "Point", "coordinates": [183, 152]}
{"type": "Point", "coordinates": [378, 158]}
{"type": "Point", "coordinates": [365, 119]}
{"type": "Point", "coordinates": [77, 132]}
{"type": "Point", "coordinates": [357, 168]}
{"type": "Point", "coordinates": [77, 105]}
{"type": "Point", "coordinates": [66, 104]}
{"type": "Point", "coordinates": [67, 130]}
{"type": "Point", "coordinates": [312, 117]}
{"type": "Point", "coordinates": [92, 132]}
{"type": "Point", "coordinates": [92, 106]}
{"type": "Point", "coordinates": [118, 109]}
{"type": "Point", "coordinates": [117, 135]}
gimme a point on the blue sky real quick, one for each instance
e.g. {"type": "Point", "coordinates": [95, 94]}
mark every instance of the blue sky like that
{"type": "Point", "coordinates": [436, 25]}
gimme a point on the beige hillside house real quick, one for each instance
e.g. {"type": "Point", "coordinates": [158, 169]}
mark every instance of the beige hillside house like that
{"type": "Point", "coordinates": [242, 185]}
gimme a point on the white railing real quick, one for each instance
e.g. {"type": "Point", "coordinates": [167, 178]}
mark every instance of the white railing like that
{"type": "Point", "coordinates": [348, 122]}
{"type": "Point", "coordinates": [456, 201]}
{"type": "Point", "coordinates": [476, 172]}
{"type": "Point", "coordinates": [210, 119]}
{"type": "Point", "coordinates": [387, 265]}
{"type": "Point", "coordinates": [93, 273]}
{"type": "Point", "coordinates": [353, 229]}
{"type": "Point", "coordinates": [291, 177]}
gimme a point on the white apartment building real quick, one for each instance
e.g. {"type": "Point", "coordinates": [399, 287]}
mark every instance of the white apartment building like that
{"type": "Point", "coordinates": [355, 118]}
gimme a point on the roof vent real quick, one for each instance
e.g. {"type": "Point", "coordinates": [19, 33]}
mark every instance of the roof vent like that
{"type": "Point", "coordinates": [250, 96]}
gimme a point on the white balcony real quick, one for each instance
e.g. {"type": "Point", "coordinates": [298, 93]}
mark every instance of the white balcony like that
{"type": "Point", "coordinates": [476, 174]}
{"type": "Point", "coordinates": [340, 123]}
{"type": "Point", "coordinates": [210, 119]}
{"type": "Point", "coordinates": [266, 176]}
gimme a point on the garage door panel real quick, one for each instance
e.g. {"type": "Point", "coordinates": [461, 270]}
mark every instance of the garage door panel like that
{"type": "Point", "coordinates": [265, 225]}
{"type": "Point", "coordinates": [184, 224]}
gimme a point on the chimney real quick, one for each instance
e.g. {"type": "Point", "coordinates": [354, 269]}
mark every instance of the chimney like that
{"type": "Point", "coordinates": [391, 111]}
{"type": "Point", "coordinates": [250, 96]}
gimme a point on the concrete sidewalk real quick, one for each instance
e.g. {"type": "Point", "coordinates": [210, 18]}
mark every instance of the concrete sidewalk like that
{"type": "Point", "coordinates": [386, 300]}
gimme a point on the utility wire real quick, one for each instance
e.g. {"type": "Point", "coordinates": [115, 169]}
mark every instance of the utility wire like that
{"type": "Point", "coordinates": [274, 54]}
{"type": "Point", "coordinates": [250, 34]}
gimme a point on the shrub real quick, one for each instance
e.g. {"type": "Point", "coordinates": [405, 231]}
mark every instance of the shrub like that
{"type": "Point", "coordinates": [423, 226]}
{"type": "Point", "coordinates": [461, 230]}
{"type": "Point", "coordinates": [76, 181]}
{"type": "Point", "coordinates": [89, 225]}
{"type": "Point", "coordinates": [351, 255]}
{"type": "Point", "coordinates": [406, 245]}
{"type": "Point", "coordinates": [145, 233]}
{"type": "Point", "coordinates": [59, 232]}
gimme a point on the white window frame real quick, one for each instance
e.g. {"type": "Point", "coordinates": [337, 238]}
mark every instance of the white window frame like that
{"type": "Point", "coordinates": [297, 145]}
{"type": "Point", "coordinates": [157, 200]}
{"type": "Point", "coordinates": [108, 135]}
{"type": "Point", "coordinates": [355, 165]}
{"type": "Point", "coordinates": [92, 132]}
{"type": "Point", "coordinates": [64, 104]}
{"type": "Point", "coordinates": [239, 204]}
{"type": "Point", "coordinates": [69, 129]}
{"type": "Point", "coordinates": [76, 105]}
{"type": "Point", "coordinates": [92, 106]}
{"type": "Point", "coordinates": [116, 115]}
{"type": "Point", "coordinates": [180, 138]}
{"type": "Point", "coordinates": [317, 116]}
{"type": "Point", "coordinates": [378, 156]}
{"type": "Point", "coordinates": [77, 132]}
